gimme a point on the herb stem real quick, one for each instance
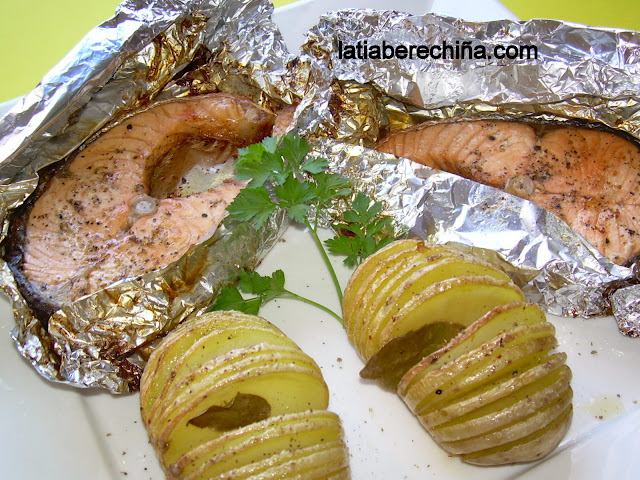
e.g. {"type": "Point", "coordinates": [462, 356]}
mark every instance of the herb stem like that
{"type": "Point", "coordinates": [326, 259]}
{"type": "Point", "coordinates": [308, 301]}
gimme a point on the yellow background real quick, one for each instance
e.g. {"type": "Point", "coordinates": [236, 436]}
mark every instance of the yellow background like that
{"type": "Point", "coordinates": [35, 34]}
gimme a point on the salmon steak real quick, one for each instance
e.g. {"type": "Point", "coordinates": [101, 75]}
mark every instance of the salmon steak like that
{"type": "Point", "coordinates": [589, 178]}
{"type": "Point", "coordinates": [134, 199]}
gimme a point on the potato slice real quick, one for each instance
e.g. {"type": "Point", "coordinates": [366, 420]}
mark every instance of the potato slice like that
{"type": "Point", "coordinates": [373, 263]}
{"type": "Point", "coordinates": [400, 354]}
{"type": "Point", "coordinates": [269, 447]}
{"type": "Point", "coordinates": [377, 272]}
{"type": "Point", "coordinates": [159, 366]}
{"type": "Point", "coordinates": [530, 448]}
{"type": "Point", "coordinates": [375, 293]}
{"type": "Point", "coordinates": [372, 266]}
{"type": "Point", "coordinates": [412, 278]}
{"type": "Point", "coordinates": [499, 320]}
{"type": "Point", "coordinates": [393, 277]}
{"type": "Point", "coordinates": [514, 431]}
{"type": "Point", "coordinates": [520, 404]}
{"type": "Point", "coordinates": [310, 463]}
{"type": "Point", "coordinates": [229, 364]}
{"type": "Point", "coordinates": [441, 302]}
{"type": "Point", "coordinates": [216, 384]}
{"type": "Point", "coordinates": [328, 463]}
{"type": "Point", "coordinates": [539, 364]}
{"type": "Point", "coordinates": [163, 367]}
{"type": "Point", "coordinates": [495, 385]}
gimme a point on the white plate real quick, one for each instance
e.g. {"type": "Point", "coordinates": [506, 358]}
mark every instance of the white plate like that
{"type": "Point", "coordinates": [55, 432]}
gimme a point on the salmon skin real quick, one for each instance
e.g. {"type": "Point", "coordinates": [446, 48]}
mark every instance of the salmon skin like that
{"type": "Point", "coordinates": [588, 177]}
{"type": "Point", "coordinates": [119, 207]}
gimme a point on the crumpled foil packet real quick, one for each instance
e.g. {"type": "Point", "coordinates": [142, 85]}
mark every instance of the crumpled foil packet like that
{"type": "Point", "coordinates": [581, 74]}
{"type": "Point", "coordinates": [150, 50]}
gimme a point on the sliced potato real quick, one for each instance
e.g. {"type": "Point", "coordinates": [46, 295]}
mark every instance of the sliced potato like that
{"type": "Point", "coordinates": [495, 392]}
{"type": "Point", "coordinates": [379, 272]}
{"type": "Point", "coordinates": [391, 278]}
{"type": "Point", "coordinates": [373, 265]}
{"type": "Point", "coordinates": [310, 463]}
{"type": "Point", "coordinates": [439, 388]}
{"type": "Point", "coordinates": [226, 376]}
{"type": "Point", "coordinates": [520, 376]}
{"type": "Point", "coordinates": [515, 430]}
{"type": "Point", "coordinates": [364, 274]}
{"type": "Point", "coordinates": [329, 462]}
{"type": "Point", "coordinates": [412, 279]}
{"type": "Point", "coordinates": [181, 361]}
{"type": "Point", "coordinates": [441, 302]}
{"type": "Point", "coordinates": [185, 352]}
{"type": "Point", "coordinates": [479, 340]}
{"type": "Point", "coordinates": [528, 449]}
{"type": "Point", "coordinates": [264, 446]}
{"type": "Point", "coordinates": [229, 364]}
{"type": "Point", "coordinates": [399, 354]}
{"type": "Point", "coordinates": [521, 404]}
{"type": "Point", "coordinates": [284, 381]}
{"type": "Point", "coordinates": [472, 399]}
{"type": "Point", "coordinates": [169, 350]}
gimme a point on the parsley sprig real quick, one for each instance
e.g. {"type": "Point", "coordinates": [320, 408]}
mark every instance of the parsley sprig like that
{"type": "Point", "coordinates": [299, 183]}
{"type": "Point", "coordinates": [263, 289]}
{"type": "Point", "coordinates": [363, 233]}
{"type": "Point", "coordinates": [282, 175]}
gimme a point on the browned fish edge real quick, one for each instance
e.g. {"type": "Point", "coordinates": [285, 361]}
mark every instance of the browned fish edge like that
{"type": "Point", "coordinates": [13, 246]}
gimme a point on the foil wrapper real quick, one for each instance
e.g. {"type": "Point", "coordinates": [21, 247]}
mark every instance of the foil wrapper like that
{"type": "Point", "coordinates": [150, 50]}
{"type": "Point", "coordinates": [581, 74]}
{"type": "Point", "coordinates": [626, 307]}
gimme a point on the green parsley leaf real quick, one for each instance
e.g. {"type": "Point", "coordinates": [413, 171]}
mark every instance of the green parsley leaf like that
{"type": "Point", "coordinates": [252, 204]}
{"type": "Point", "coordinates": [260, 163]}
{"type": "Point", "coordinates": [362, 234]}
{"type": "Point", "coordinates": [314, 165]}
{"type": "Point", "coordinates": [345, 245]}
{"type": "Point", "coordinates": [266, 288]}
{"type": "Point", "coordinates": [270, 144]}
{"type": "Point", "coordinates": [330, 185]}
{"type": "Point", "coordinates": [230, 298]}
{"type": "Point", "coordinates": [299, 183]}
{"type": "Point", "coordinates": [294, 149]}
{"type": "Point", "coordinates": [295, 196]}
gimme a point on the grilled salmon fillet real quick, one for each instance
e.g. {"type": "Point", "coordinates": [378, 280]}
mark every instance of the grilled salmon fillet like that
{"type": "Point", "coordinates": [589, 178]}
{"type": "Point", "coordinates": [119, 209]}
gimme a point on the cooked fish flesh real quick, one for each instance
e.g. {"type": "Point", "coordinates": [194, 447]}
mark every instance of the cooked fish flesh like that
{"type": "Point", "coordinates": [284, 121]}
{"type": "Point", "coordinates": [136, 198]}
{"type": "Point", "coordinates": [587, 177]}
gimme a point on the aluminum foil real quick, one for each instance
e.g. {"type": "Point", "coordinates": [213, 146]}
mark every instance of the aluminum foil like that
{"type": "Point", "coordinates": [581, 74]}
{"type": "Point", "coordinates": [150, 50]}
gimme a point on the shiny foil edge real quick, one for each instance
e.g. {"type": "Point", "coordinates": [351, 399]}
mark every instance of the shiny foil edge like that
{"type": "Point", "coordinates": [121, 66]}
{"type": "Point", "coordinates": [359, 101]}
{"type": "Point", "coordinates": [626, 308]}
